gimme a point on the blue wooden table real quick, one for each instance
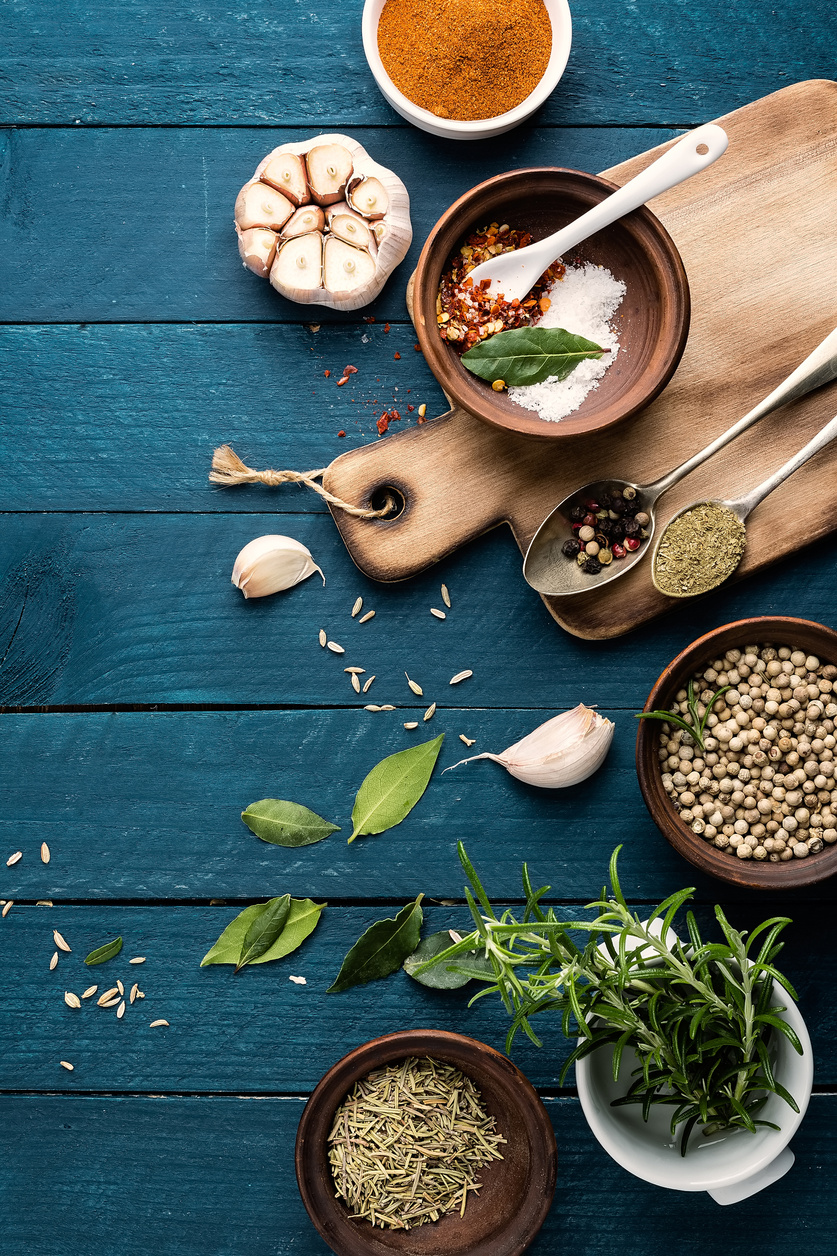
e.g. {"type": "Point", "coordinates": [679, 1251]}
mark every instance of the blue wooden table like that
{"type": "Point", "coordinates": [145, 703]}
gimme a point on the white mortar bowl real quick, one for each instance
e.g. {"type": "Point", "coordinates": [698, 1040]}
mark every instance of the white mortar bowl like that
{"type": "Point", "coordinates": [562, 33]}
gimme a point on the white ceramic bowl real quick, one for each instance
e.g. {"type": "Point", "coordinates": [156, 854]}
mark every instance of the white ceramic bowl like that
{"type": "Point", "coordinates": [730, 1166]}
{"type": "Point", "coordinates": [562, 31]}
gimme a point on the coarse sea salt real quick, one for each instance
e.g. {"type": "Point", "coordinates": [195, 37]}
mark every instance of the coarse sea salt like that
{"type": "Point", "coordinates": [583, 302]}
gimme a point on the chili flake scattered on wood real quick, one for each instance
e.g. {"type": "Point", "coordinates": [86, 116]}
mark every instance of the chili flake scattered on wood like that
{"type": "Point", "coordinates": [397, 357]}
{"type": "Point", "coordinates": [326, 373]}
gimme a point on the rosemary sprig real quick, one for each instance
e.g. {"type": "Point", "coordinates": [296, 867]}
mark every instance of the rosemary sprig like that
{"type": "Point", "coordinates": [698, 1015]}
{"type": "Point", "coordinates": [696, 725]}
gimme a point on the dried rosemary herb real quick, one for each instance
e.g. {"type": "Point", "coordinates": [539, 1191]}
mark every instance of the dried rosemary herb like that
{"type": "Point", "coordinates": [407, 1142]}
{"type": "Point", "coordinates": [699, 550]}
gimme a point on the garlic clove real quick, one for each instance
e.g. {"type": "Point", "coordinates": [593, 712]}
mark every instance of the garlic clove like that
{"type": "Point", "coordinates": [345, 267]}
{"type": "Point", "coordinates": [298, 266]}
{"type": "Point", "coordinates": [369, 198]}
{"type": "Point", "coordinates": [562, 752]}
{"type": "Point", "coordinates": [260, 206]}
{"type": "Point", "coordinates": [380, 230]}
{"type": "Point", "coordinates": [270, 564]}
{"type": "Point", "coordinates": [329, 170]}
{"type": "Point", "coordinates": [308, 218]}
{"type": "Point", "coordinates": [257, 248]}
{"type": "Point", "coordinates": [286, 173]}
{"type": "Point", "coordinates": [351, 228]}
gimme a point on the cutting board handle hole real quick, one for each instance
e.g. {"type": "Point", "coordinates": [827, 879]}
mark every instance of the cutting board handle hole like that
{"type": "Point", "coordinates": [388, 499]}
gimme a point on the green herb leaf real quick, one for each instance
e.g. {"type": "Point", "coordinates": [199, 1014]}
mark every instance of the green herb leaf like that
{"type": "Point", "coordinates": [393, 788]}
{"type": "Point", "coordinates": [456, 972]}
{"type": "Point", "coordinates": [302, 920]}
{"type": "Point", "coordinates": [286, 823]}
{"type": "Point", "coordinates": [264, 930]}
{"type": "Point", "coordinates": [528, 355]}
{"type": "Point", "coordinates": [381, 949]}
{"type": "Point", "coordinates": [103, 953]}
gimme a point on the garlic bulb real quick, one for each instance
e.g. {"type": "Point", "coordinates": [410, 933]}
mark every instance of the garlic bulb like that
{"type": "Point", "coordinates": [270, 564]}
{"type": "Point", "coordinates": [323, 190]}
{"type": "Point", "coordinates": [563, 751]}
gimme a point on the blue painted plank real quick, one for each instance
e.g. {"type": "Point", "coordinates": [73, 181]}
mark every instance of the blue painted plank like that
{"type": "Point", "coordinates": [258, 1032]}
{"type": "Point", "coordinates": [649, 61]}
{"type": "Point", "coordinates": [191, 1176]}
{"type": "Point", "coordinates": [140, 609]}
{"type": "Point", "coordinates": [183, 263]}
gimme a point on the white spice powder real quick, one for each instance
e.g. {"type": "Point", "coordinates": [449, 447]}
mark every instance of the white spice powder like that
{"type": "Point", "coordinates": [583, 302]}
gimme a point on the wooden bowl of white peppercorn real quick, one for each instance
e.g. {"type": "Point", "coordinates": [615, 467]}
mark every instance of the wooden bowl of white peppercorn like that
{"type": "Point", "coordinates": [772, 793]}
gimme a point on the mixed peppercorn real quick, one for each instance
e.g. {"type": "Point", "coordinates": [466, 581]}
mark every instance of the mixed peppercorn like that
{"type": "Point", "coordinates": [467, 313]}
{"type": "Point", "coordinates": [607, 529]}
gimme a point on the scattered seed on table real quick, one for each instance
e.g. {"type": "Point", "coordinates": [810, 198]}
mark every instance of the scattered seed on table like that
{"type": "Point", "coordinates": [140, 994]}
{"type": "Point", "coordinates": [120, 1011]}
{"type": "Point", "coordinates": [108, 994]}
{"type": "Point", "coordinates": [355, 682]}
{"type": "Point", "coordinates": [364, 619]}
{"type": "Point", "coordinates": [89, 992]}
{"type": "Point", "coordinates": [355, 671]}
{"type": "Point", "coordinates": [8, 907]}
{"type": "Point", "coordinates": [469, 741]}
{"type": "Point", "coordinates": [415, 688]}
{"type": "Point", "coordinates": [357, 607]}
{"type": "Point", "coordinates": [298, 981]}
{"type": "Point", "coordinates": [438, 614]}
{"type": "Point", "coordinates": [138, 959]}
{"type": "Point", "coordinates": [323, 637]}
{"type": "Point", "coordinates": [430, 712]}
{"type": "Point", "coordinates": [44, 853]}
{"type": "Point", "coordinates": [66, 1064]}
{"type": "Point", "coordinates": [15, 858]}
{"type": "Point", "coordinates": [412, 724]}
{"type": "Point", "coordinates": [72, 1000]}
{"type": "Point", "coordinates": [111, 1002]}
{"type": "Point", "coordinates": [134, 989]}
{"type": "Point", "coordinates": [53, 963]}
{"type": "Point", "coordinates": [372, 708]}
{"type": "Point", "coordinates": [387, 707]}
{"type": "Point", "coordinates": [335, 648]}
{"type": "Point", "coordinates": [60, 942]}
{"type": "Point", "coordinates": [44, 902]}
{"type": "Point", "coordinates": [155, 1023]}
{"type": "Point", "coordinates": [120, 987]}
{"type": "Point", "coordinates": [460, 676]}
{"type": "Point", "coordinates": [368, 683]}
{"type": "Point", "coordinates": [445, 595]}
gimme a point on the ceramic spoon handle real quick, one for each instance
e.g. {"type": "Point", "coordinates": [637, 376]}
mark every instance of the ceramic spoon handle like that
{"type": "Point", "coordinates": [744, 505]}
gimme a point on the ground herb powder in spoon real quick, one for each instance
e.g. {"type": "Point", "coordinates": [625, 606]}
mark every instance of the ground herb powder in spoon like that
{"type": "Point", "coordinates": [699, 550]}
{"type": "Point", "coordinates": [407, 1143]}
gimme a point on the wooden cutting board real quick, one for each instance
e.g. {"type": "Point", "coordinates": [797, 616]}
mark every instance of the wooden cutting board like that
{"type": "Point", "coordinates": [758, 236]}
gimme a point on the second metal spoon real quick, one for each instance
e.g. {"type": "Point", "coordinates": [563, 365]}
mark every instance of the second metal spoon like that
{"type": "Point", "coordinates": [549, 571]}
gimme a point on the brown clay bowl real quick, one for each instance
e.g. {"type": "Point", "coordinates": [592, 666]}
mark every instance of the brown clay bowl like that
{"type": "Point", "coordinates": [653, 317]}
{"type": "Point", "coordinates": [764, 629]}
{"type": "Point", "coordinates": [502, 1219]}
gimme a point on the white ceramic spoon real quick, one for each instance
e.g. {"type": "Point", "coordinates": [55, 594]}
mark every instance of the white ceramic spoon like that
{"type": "Point", "coordinates": [515, 273]}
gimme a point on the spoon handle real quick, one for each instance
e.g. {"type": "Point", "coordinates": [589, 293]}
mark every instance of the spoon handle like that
{"type": "Point", "coordinates": [744, 505]}
{"type": "Point", "coordinates": [818, 368]}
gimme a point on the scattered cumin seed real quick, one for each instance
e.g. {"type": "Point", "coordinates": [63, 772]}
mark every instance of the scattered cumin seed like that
{"type": "Point", "coordinates": [460, 676]}
{"type": "Point", "coordinates": [357, 607]}
{"type": "Point", "coordinates": [120, 1011]}
{"type": "Point", "coordinates": [111, 1002]}
{"type": "Point", "coordinates": [445, 595]}
{"type": "Point", "coordinates": [155, 1023]}
{"type": "Point", "coordinates": [364, 619]}
{"type": "Point", "coordinates": [469, 741]}
{"type": "Point", "coordinates": [44, 902]}
{"type": "Point", "coordinates": [66, 1064]}
{"type": "Point", "coordinates": [335, 648]}
{"type": "Point", "coordinates": [415, 688]}
{"type": "Point", "coordinates": [60, 942]}
{"type": "Point", "coordinates": [355, 682]}
{"type": "Point", "coordinates": [371, 707]}
{"type": "Point", "coordinates": [72, 1000]}
{"type": "Point", "coordinates": [134, 989]}
{"type": "Point", "coordinates": [120, 987]}
{"type": "Point", "coordinates": [412, 724]}
{"type": "Point", "coordinates": [44, 853]}
{"type": "Point", "coordinates": [53, 963]}
{"type": "Point", "coordinates": [15, 858]}
{"type": "Point", "coordinates": [430, 712]}
{"type": "Point", "coordinates": [108, 994]}
{"type": "Point", "coordinates": [438, 614]}
{"type": "Point", "coordinates": [323, 637]}
{"type": "Point", "coordinates": [8, 907]}
{"type": "Point", "coordinates": [138, 959]}
{"type": "Point", "coordinates": [368, 684]}
{"type": "Point", "coordinates": [140, 994]}
{"type": "Point", "coordinates": [89, 992]}
{"type": "Point", "coordinates": [355, 671]}
{"type": "Point", "coordinates": [388, 707]}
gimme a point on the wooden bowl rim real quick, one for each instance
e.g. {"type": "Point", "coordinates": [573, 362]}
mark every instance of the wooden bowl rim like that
{"type": "Point", "coordinates": [328, 1214]}
{"type": "Point", "coordinates": [645, 226]}
{"type": "Point", "coordinates": [714, 862]}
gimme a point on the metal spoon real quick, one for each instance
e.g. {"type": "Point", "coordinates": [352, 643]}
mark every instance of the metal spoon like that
{"type": "Point", "coordinates": [549, 571]}
{"type": "Point", "coordinates": [743, 506]}
{"type": "Point", "coordinates": [515, 273]}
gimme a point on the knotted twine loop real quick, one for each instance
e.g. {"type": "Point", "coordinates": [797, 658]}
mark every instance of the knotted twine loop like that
{"type": "Point", "coordinates": [228, 470]}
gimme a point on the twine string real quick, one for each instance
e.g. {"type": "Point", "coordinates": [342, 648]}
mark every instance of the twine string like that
{"type": "Point", "coordinates": [228, 470]}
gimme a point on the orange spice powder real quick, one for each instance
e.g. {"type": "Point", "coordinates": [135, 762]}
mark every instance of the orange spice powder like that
{"type": "Point", "coordinates": [465, 59]}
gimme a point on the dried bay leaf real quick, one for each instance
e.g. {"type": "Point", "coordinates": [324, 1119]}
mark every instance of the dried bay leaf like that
{"type": "Point", "coordinates": [529, 355]}
{"type": "Point", "coordinates": [303, 916]}
{"type": "Point", "coordinates": [381, 949]}
{"type": "Point", "coordinates": [393, 788]}
{"type": "Point", "coordinates": [264, 929]}
{"type": "Point", "coordinates": [103, 953]}
{"type": "Point", "coordinates": [457, 972]}
{"type": "Point", "coordinates": [286, 823]}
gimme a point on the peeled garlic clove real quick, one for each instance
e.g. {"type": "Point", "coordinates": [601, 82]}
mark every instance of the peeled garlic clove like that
{"type": "Point", "coordinates": [257, 248]}
{"type": "Point", "coordinates": [351, 228]}
{"type": "Point", "coordinates": [563, 751]}
{"type": "Point", "coordinates": [369, 197]}
{"type": "Point", "coordinates": [380, 230]}
{"type": "Point", "coordinates": [298, 266]}
{"type": "Point", "coordinates": [260, 206]}
{"type": "Point", "coordinates": [309, 218]}
{"type": "Point", "coordinates": [345, 267]}
{"type": "Point", "coordinates": [270, 564]}
{"type": "Point", "coordinates": [329, 170]}
{"type": "Point", "coordinates": [286, 173]}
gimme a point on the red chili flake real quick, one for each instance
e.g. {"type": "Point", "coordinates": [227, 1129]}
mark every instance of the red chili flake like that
{"type": "Point", "coordinates": [421, 420]}
{"type": "Point", "coordinates": [326, 373]}
{"type": "Point", "coordinates": [411, 409]}
{"type": "Point", "coordinates": [367, 318]}
{"type": "Point", "coordinates": [393, 414]}
{"type": "Point", "coordinates": [417, 347]}
{"type": "Point", "coordinates": [386, 327]}
{"type": "Point", "coordinates": [350, 370]}
{"type": "Point", "coordinates": [397, 357]}
{"type": "Point", "coordinates": [383, 423]}
{"type": "Point", "coordinates": [341, 433]}
{"type": "Point", "coordinates": [342, 381]}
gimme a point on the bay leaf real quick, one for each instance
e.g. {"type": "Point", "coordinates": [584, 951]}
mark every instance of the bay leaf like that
{"type": "Point", "coordinates": [286, 823]}
{"type": "Point", "coordinates": [451, 976]}
{"type": "Point", "coordinates": [381, 949]}
{"type": "Point", "coordinates": [264, 930]}
{"type": "Point", "coordinates": [103, 953]}
{"type": "Point", "coordinates": [302, 920]}
{"type": "Point", "coordinates": [529, 355]}
{"type": "Point", "coordinates": [393, 787]}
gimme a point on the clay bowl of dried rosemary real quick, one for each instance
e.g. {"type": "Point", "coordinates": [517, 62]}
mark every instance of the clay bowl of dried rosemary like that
{"type": "Point", "coordinates": [647, 327]}
{"type": "Point", "coordinates": [762, 693]}
{"type": "Point", "coordinates": [419, 1125]}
